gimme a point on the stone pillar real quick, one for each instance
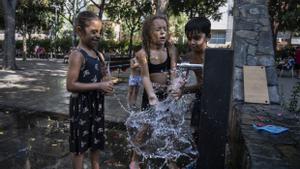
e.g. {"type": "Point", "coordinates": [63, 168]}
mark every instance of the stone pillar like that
{"type": "Point", "coordinates": [252, 44]}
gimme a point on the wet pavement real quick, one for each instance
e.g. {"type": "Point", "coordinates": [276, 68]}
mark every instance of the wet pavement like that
{"type": "Point", "coordinates": [35, 141]}
{"type": "Point", "coordinates": [40, 86]}
{"type": "Point", "coordinates": [286, 84]}
{"type": "Point", "coordinates": [34, 118]}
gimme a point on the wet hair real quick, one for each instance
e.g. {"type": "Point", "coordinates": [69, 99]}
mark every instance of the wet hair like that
{"type": "Point", "coordinates": [84, 17]}
{"type": "Point", "coordinates": [198, 25]}
{"type": "Point", "coordinates": [146, 31]}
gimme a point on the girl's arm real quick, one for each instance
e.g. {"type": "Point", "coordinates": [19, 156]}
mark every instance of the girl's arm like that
{"type": "Point", "coordinates": [75, 62]}
{"type": "Point", "coordinates": [133, 63]}
{"type": "Point", "coordinates": [141, 58]}
{"type": "Point", "coordinates": [198, 73]}
{"type": "Point", "coordinates": [173, 56]}
{"type": "Point", "coordinates": [176, 84]}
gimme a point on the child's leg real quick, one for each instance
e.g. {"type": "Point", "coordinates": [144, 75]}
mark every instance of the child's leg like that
{"type": "Point", "coordinates": [142, 134]}
{"type": "Point", "coordinates": [95, 159]}
{"type": "Point", "coordinates": [134, 94]}
{"type": "Point", "coordinates": [129, 98]}
{"type": "Point", "coordinates": [77, 161]}
{"type": "Point", "coordinates": [172, 165]}
{"type": "Point", "coordinates": [134, 164]}
{"type": "Point", "coordinates": [138, 139]}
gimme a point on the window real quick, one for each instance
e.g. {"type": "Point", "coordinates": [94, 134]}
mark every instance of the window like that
{"type": "Point", "coordinates": [218, 37]}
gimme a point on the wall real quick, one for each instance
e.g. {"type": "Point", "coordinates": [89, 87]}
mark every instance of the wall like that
{"type": "Point", "coordinates": [252, 44]}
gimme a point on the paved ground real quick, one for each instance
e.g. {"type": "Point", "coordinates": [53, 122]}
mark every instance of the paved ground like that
{"type": "Point", "coordinates": [286, 84]}
{"type": "Point", "coordinates": [30, 139]}
{"type": "Point", "coordinates": [40, 85]}
{"type": "Point", "coordinates": [34, 119]}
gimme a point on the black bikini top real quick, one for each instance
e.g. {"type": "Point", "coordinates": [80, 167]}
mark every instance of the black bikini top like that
{"type": "Point", "coordinates": [162, 67]}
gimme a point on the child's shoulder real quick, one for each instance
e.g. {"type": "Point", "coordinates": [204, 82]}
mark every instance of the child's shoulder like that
{"type": "Point", "coordinates": [141, 53]}
{"type": "Point", "coordinates": [75, 56]}
{"type": "Point", "coordinates": [75, 53]}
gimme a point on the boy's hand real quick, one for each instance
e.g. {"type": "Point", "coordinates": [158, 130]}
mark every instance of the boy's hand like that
{"type": "Point", "coordinates": [175, 89]}
{"type": "Point", "coordinates": [176, 94]}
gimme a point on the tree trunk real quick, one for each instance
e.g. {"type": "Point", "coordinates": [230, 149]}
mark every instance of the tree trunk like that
{"type": "Point", "coordinates": [30, 52]}
{"type": "Point", "coordinates": [74, 38]}
{"type": "Point", "coordinates": [130, 43]}
{"type": "Point", "coordinates": [101, 9]}
{"type": "Point", "coordinates": [9, 61]}
{"type": "Point", "coordinates": [73, 20]}
{"type": "Point", "coordinates": [24, 49]}
{"type": "Point", "coordinates": [161, 8]}
{"type": "Point", "coordinates": [289, 40]}
{"type": "Point", "coordinates": [274, 27]}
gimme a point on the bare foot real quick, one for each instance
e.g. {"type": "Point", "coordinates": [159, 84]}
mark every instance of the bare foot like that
{"type": "Point", "coordinates": [134, 165]}
{"type": "Point", "coordinates": [172, 165]}
{"type": "Point", "coordinates": [142, 134]}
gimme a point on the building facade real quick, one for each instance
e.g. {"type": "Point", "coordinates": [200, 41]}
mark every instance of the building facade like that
{"type": "Point", "coordinates": [221, 31]}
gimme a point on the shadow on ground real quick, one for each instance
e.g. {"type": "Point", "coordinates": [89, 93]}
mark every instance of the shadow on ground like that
{"type": "Point", "coordinates": [35, 141]}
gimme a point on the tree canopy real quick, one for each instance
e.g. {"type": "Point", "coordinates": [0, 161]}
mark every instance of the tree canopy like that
{"type": "Point", "coordinates": [284, 16]}
{"type": "Point", "coordinates": [192, 8]}
{"type": "Point", "coordinates": [129, 13]}
{"type": "Point", "coordinates": [33, 16]}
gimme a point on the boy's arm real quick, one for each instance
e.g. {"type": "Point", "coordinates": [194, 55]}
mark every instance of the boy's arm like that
{"type": "Point", "coordinates": [196, 87]}
{"type": "Point", "coordinates": [141, 58]}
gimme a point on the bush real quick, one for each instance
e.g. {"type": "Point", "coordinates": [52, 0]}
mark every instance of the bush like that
{"type": "Point", "coordinates": [120, 47]}
{"type": "Point", "coordinates": [293, 104]}
{"type": "Point", "coordinates": [45, 43]}
{"type": "Point", "coordinates": [182, 48]}
{"type": "Point", "coordinates": [63, 45]}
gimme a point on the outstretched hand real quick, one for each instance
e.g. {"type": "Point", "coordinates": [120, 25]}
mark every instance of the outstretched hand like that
{"type": "Point", "coordinates": [153, 100]}
{"type": "Point", "coordinates": [175, 89]}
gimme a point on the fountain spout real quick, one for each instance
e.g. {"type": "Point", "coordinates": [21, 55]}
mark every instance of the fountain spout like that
{"type": "Point", "coordinates": [189, 66]}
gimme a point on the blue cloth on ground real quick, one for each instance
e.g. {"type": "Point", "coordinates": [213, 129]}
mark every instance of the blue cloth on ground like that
{"type": "Point", "coordinates": [271, 128]}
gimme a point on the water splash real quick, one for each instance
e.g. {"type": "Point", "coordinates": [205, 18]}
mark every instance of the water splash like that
{"type": "Point", "coordinates": [161, 132]}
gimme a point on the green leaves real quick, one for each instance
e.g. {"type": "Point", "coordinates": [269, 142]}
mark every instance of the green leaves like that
{"type": "Point", "coordinates": [192, 8]}
{"type": "Point", "coordinates": [286, 13]}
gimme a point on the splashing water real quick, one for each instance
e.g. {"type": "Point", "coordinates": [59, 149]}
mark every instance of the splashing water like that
{"type": "Point", "coordinates": [161, 132]}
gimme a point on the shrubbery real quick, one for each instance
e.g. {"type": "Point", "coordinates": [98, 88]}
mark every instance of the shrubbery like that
{"type": "Point", "coordinates": [62, 45]}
